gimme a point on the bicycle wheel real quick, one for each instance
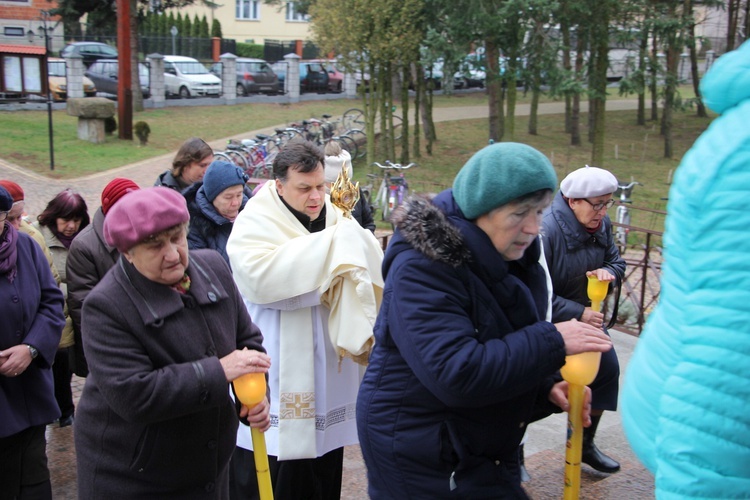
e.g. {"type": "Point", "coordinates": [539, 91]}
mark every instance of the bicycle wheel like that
{"type": "Point", "coordinates": [272, 147]}
{"type": "Point", "coordinates": [353, 119]}
{"type": "Point", "coordinates": [383, 201]}
{"type": "Point", "coordinates": [360, 138]}
{"type": "Point", "coordinates": [348, 144]}
{"type": "Point", "coordinates": [233, 157]}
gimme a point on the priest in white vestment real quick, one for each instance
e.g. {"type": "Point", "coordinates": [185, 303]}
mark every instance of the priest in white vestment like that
{"type": "Point", "coordinates": [311, 280]}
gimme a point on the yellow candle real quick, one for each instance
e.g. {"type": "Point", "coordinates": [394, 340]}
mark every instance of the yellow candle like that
{"type": "Point", "coordinates": [580, 370]}
{"type": "Point", "coordinates": [251, 389]}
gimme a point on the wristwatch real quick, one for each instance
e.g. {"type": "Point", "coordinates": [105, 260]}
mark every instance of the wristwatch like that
{"type": "Point", "coordinates": [33, 351]}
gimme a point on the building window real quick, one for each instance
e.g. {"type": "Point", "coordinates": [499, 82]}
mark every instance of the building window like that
{"type": "Point", "coordinates": [248, 9]}
{"type": "Point", "coordinates": [13, 31]}
{"type": "Point", "coordinates": [291, 15]}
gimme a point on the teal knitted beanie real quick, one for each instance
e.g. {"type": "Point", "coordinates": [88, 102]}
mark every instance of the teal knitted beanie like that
{"type": "Point", "coordinates": [498, 174]}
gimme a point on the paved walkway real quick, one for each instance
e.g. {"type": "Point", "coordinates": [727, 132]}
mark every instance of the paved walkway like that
{"type": "Point", "coordinates": [546, 445]}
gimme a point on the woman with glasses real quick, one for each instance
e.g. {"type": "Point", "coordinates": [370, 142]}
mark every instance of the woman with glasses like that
{"type": "Point", "coordinates": [578, 242]}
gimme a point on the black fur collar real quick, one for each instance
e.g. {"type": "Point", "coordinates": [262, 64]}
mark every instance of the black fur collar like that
{"type": "Point", "coordinates": [427, 229]}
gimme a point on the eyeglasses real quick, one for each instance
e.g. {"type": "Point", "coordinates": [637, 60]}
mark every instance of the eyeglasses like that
{"type": "Point", "coordinates": [599, 206]}
{"type": "Point", "coordinates": [3, 215]}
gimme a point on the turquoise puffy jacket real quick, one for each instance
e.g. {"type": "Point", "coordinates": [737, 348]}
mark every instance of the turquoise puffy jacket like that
{"type": "Point", "coordinates": [687, 389]}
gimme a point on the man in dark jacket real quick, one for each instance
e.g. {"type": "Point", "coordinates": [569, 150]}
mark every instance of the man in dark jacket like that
{"type": "Point", "coordinates": [578, 242]}
{"type": "Point", "coordinates": [463, 359]}
{"type": "Point", "coordinates": [165, 332]}
{"type": "Point", "coordinates": [89, 259]}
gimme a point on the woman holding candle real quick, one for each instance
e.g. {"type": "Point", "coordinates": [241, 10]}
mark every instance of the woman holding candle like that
{"type": "Point", "coordinates": [165, 331]}
{"type": "Point", "coordinates": [463, 359]}
{"type": "Point", "coordinates": [578, 242]}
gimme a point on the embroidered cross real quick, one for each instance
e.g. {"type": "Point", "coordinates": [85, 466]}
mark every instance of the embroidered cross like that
{"type": "Point", "coordinates": [297, 405]}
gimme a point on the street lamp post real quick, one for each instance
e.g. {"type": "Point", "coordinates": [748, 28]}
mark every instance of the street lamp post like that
{"type": "Point", "coordinates": [45, 30]}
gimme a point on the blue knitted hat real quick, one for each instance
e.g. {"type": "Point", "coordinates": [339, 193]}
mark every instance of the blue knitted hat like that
{"type": "Point", "coordinates": [221, 175]}
{"type": "Point", "coordinates": [501, 173]}
{"type": "Point", "coordinates": [6, 200]}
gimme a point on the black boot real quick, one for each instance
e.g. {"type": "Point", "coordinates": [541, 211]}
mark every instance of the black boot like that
{"type": "Point", "coordinates": [591, 454]}
{"type": "Point", "coordinates": [525, 478]}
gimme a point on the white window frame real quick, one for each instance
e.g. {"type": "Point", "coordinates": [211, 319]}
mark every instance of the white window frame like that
{"type": "Point", "coordinates": [254, 10]}
{"type": "Point", "coordinates": [292, 16]}
{"type": "Point", "coordinates": [8, 31]}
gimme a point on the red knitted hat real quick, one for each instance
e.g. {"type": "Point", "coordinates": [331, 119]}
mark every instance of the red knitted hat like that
{"type": "Point", "coordinates": [116, 189]}
{"type": "Point", "coordinates": [13, 189]}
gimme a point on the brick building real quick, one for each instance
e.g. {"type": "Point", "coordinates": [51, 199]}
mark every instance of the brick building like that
{"type": "Point", "coordinates": [21, 23]}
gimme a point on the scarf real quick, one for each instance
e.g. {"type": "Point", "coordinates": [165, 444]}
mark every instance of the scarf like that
{"type": "Point", "coordinates": [65, 240]}
{"type": "Point", "coordinates": [275, 258]}
{"type": "Point", "coordinates": [9, 251]}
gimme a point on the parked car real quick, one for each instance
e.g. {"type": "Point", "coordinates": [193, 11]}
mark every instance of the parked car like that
{"type": "Point", "coordinates": [89, 51]}
{"type": "Point", "coordinates": [437, 76]}
{"type": "Point", "coordinates": [335, 77]}
{"type": "Point", "coordinates": [58, 80]}
{"type": "Point", "coordinates": [312, 75]}
{"type": "Point", "coordinates": [253, 76]}
{"type": "Point", "coordinates": [104, 75]}
{"type": "Point", "coordinates": [186, 77]}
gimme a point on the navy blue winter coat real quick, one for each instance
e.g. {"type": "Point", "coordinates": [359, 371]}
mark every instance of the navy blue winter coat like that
{"type": "Point", "coordinates": [462, 361]}
{"type": "Point", "coordinates": [208, 229]}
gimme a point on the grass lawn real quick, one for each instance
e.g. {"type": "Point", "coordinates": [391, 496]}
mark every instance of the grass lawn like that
{"type": "Point", "coordinates": [631, 151]}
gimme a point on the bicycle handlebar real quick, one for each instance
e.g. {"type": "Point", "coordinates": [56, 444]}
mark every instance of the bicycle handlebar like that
{"type": "Point", "coordinates": [629, 186]}
{"type": "Point", "coordinates": [389, 165]}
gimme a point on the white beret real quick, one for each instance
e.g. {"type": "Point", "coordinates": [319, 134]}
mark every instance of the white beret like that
{"type": "Point", "coordinates": [334, 163]}
{"type": "Point", "coordinates": [588, 182]}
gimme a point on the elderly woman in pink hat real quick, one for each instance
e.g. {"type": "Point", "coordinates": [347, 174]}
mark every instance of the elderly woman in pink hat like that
{"type": "Point", "coordinates": [165, 332]}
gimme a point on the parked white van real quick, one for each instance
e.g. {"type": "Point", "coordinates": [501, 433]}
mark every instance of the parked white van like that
{"type": "Point", "coordinates": [186, 77]}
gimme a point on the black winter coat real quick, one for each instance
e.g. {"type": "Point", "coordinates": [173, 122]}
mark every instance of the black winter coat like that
{"type": "Point", "coordinates": [571, 251]}
{"type": "Point", "coordinates": [208, 229]}
{"type": "Point", "coordinates": [155, 419]}
{"type": "Point", "coordinates": [89, 259]}
{"type": "Point", "coordinates": [462, 360]}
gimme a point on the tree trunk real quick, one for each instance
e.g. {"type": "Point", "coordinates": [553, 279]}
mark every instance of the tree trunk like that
{"type": "Point", "coordinates": [654, 77]}
{"type": "Point", "coordinates": [673, 56]}
{"type": "Point", "coordinates": [567, 66]}
{"type": "Point", "coordinates": [427, 124]}
{"type": "Point", "coordinates": [600, 46]}
{"type": "Point", "coordinates": [418, 95]}
{"type": "Point", "coordinates": [690, 42]}
{"type": "Point", "coordinates": [732, 15]}
{"type": "Point", "coordinates": [575, 113]}
{"type": "Point", "coordinates": [404, 113]}
{"type": "Point", "coordinates": [641, 78]}
{"type": "Point", "coordinates": [134, 74]}
{"type": "Point", "coordinates": [494, 91]}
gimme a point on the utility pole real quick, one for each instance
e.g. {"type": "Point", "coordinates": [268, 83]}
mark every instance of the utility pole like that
{"type": "Point", "coordinates": [124, 83]}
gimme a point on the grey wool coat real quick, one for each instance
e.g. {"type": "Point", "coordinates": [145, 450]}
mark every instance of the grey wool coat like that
{"type": "Point", "coordinates": [155, 418]}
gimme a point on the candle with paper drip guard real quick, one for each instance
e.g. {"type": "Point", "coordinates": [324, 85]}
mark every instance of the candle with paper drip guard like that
{"type": "Point", "coordinates": [579, 371]}
{"type": "Point", "coordinates": [250, 390]}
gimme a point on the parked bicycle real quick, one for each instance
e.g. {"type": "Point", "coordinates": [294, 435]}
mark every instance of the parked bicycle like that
{"type": "Point", "coordinates": [622, 216]}
{"type": "Point", "coordinates": [393, 189]}
{"type": "Point", "coordinates": [354, 119]}
{"type": "Point", "coordinates": [254, 156]}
